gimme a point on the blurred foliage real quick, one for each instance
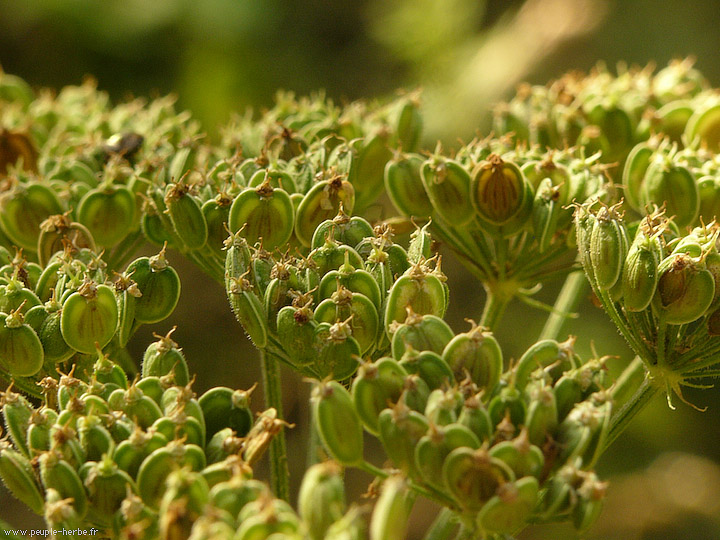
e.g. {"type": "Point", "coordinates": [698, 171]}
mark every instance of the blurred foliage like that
{"type": "Point", "coordinates": [220, 56]}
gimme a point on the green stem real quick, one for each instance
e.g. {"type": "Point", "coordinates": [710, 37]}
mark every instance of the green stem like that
{"type": "Point", "coordinates": [637, 402]}
{"type": "Point", "coordinates": [567, 301]}
{"type": "Point", "coordinates": [494, 309]}
{"type": "Point", "coordinates": [443, 526]}
{"type": "Point", "coordinates": [628, 382]}
{"type": "Point", "coordinates": [279, 475]}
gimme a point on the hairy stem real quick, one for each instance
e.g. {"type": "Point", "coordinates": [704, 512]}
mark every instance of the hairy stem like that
{"type": "Point", "coordinates": [637, 402]}
{"type": "Point", "coordinates": [279, 475]}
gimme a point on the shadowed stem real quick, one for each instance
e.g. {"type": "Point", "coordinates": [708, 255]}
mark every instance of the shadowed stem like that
{"type": "Point", "coordinates": [279, 475]}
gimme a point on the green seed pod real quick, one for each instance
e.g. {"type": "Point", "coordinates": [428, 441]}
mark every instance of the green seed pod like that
{"type": "Point", "coordinates": [447, 185]}
{"type": "Point", "coordinates": [108, 212]}
{"type": "Point", "coordinates": [321, 500]}
{"type": "Point", "coordinates": [159, 285]}
{"type": "Point", "coordinates": [473, 477]}
{"type": "Point", "coordinates": [331, 256]}
{"type": "Point", "coordinates": [640, 271]}
{"type": "Point", "coordinates": [155, 469]}
{"type": "Point", "coordinates": [420, 332]}
{"type": "Point", "coordinates": [420, 248]}
{"type": "Point", "coordinates": [266, 522]}
{"type": "Point", "coordinates": [478, 354]}
{"type": "Point", "coordinates": [61, 515]}
{"type": "Point", "coordinates": [15, 296]}
{"type": "Point", "coordinates": [18, 413]}
{"type": "Point", "coordinates": [183, 503]}
{"type": "Point", "coordinates": [156, 227]}
{"type": "Point", "coordinates": [375, 387]}
{"type": "Point", "coordinates": [222, 445]}
{"type": "Point", "coordinates": [408, 122]}
{"type": "Point", "coordinates": [337, 351]}
{"type": "Point", "coordinates": [217, 215]}
{"type": "Point", "coordinates": [263, 213]}
{"type": "Point", "coordinates": [703, 125]}
{"type": "Point", "coordinates": [21, 352]}
{"type": "Point", "coordinates": [509, 403]}
{"type": "Point", "coordinates": [608, 247]}
{"type": "Point", "coordinates": [186, 215]}
{"type": "Point", "coordinates": [429, 366]}
{"type": "Point", "coordinates": [543, 355]}
{"type": "Point", "coordinates": [404, 185]}
{"type": "Point", "coordinates": [233, 495]}
{"type": "Point", "coordinates": [499, 191]}
{"type": "Point", "coordinates": [633, 175]}
{"type": "Point", "coordinates": [249, 311]}
{"type": "Point", "coordinates": [182, 399]}
{"type": "Point", "coordinates": [443, 406]}
{"type": "Point", "coordinates": [276, 179]}
{"type": "Point", "coordinates": [17, 475]}
{"type": "Point", "coordinates": [584, 223]}
{"type": "Point", "coordinates": [38, 433]}
{"type": "Point", "coordinates": [95, 439]}
{"type": "Point", "coordinates": [343, 229]}
{"type": "Point", "coordinates": [14, 89]}
{"type": "Point", "coordinates": [400, 430]}
{"type": "Point", "coordinates": [355, 280]}
{"type": "Point", "coordinates": [475, 417]}
{"type": "Point", "coordinates": [546, 212]}
{"type": "Point", "coordinates": [55, 348]}
{"type": "Point", "coordinates": [296, 331]}
{"type": "Point", "coordinates": [48, 280]}
{"type": "Point", "coordinates": [164, 358]}
{"type": "Point", "coordinates": [589, 504]}
{"type": "Point", "coordinates": [181, 426]}
{"type": "Point", "coordinates": [136, 405]}
{"type": "Point", "coordinates": [89, 317]}
{"type": "Point", "coordinates": [223, 407]}
{"type": "Point", "coordinates": [338, 423]}
{"type": "Point", "coordinates": [56, 232]}
{"type": "Point", "coordinates": [238, 260]}
{"type": "Point", "coordinates": [667, 182]}
{"type": "Point", "coordinates": [154, 387]}
{"type": "Point", "coordinates": [416, 289]}
{"type": "Point", "coordinates": [709, 191]}
{"type": "Point", "coordinates": [415, 393]}
{"type": "Point", "coordinates": [542, 415]}
{"type": "Point", "coordinates": [23, 208]}
{"type": "Point", "coordinates": [131, 452]}
{"type": "Point", "coordinates": [277, 294]}
{"type": "Point", "coordinates": [434, 447]}
{"type": "Point", "coordinates": [685, 289]}
{"type": "Point", "coordinates": [107, 487]}
{"type": "Point", "coordinates": [58, 474]}
{"type": "Point", "coordinates": [224, 470]}
{"type": "Point", "coordinates": [390, 516]}
{"type": "Point", "coordinates": [343, 305]}
{"type": "Point", "coordinates": [509, 510]}
{"type": "Point", "coordinates": [322, 202]}
{"type": "Point", "coordinates": [367, 170]}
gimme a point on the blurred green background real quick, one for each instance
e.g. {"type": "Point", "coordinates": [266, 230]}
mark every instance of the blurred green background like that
{"type": "Point", "coordinates": [221, 56]}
